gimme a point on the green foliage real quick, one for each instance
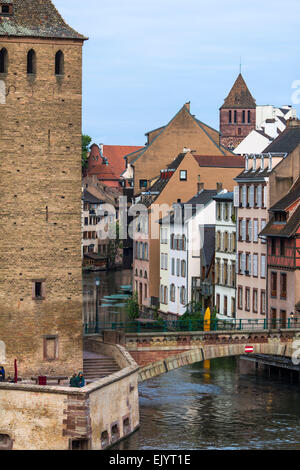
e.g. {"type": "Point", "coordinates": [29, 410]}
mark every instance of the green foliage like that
{"type": "Point", "coordinates": [132, 308]}
{"type": "Point", "coordinates": [193, 318]}
{"type": "Point", "coordinates": [114, 244]}
{"type": "Point", "coordinates": [85, 143]}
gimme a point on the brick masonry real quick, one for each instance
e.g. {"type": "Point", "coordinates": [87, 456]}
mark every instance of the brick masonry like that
{"type": "Point", "coordinates": [40, 206]}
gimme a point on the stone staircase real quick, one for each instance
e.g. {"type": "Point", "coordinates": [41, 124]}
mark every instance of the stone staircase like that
{"type": "Point", "coordinates": [96, 366]}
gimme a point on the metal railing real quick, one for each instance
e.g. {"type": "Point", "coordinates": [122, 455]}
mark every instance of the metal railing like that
{"type": "Point", "coordinates": [186, 325]}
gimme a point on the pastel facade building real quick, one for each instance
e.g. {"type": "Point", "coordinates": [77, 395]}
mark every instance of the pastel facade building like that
{"type": "Point", "coordinates": [283, 257]}
{"type": "Point", "coordinates": [225, 256]}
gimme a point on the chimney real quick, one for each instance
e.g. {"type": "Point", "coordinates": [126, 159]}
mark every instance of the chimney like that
{"type": "Point", "coordinates": [200, 187]}
{"type": "Point", "coordinates": [219, 187]}
{"type": "Point", "coordinates": [188, 106]}
{"type": "Point", "coordinates": [186, 150]}
{"type": "Point", "coordinates": [293, 122]}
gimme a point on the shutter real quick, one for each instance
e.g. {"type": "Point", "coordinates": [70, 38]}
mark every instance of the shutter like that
{"type": "Point", "coordinates": [255, 265]}
{"type": "Point", "coordinates": [244, 196]}
{"type": "Point", "coordinates": [250, 265]}
{"type": "Point", "coordinates": [243, 263]}
{"type": "Point", "coordinates": [251, 196]}
{"type": "Point", "coordinates": [236, 196]}
{"type": "Point", "coordinates": [265, 196]}
{"type": "Point", "coordinates": [263, 266]}
{"type": "Point", "coordinates": [237, 264]}
{"type": "Point", "coordinates": [244, 230]}
{"type": "Point", "coordinates": [250, 230]}
{"type": "Point", "coordinates": [255, 231]}
{"type": "Point", "coordinates": [259, 196]}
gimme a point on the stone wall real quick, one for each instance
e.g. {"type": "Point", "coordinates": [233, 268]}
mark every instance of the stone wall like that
{"type": "Point", "coordinates": [40, 208]}
{"type": "Point", "coordinates": [60, 418]}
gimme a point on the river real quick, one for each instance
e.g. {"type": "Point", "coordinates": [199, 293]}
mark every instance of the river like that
{"type": "Point", "coordinates": [222, 404]}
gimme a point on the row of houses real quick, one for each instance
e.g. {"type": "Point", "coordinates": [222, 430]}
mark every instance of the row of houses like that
{"type": "Point", "coordinates": [229, 240]}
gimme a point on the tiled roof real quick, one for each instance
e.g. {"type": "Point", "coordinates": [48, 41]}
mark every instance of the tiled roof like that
{"type": "Point", "coordinates": [88, 197]}
{"type": "Point", "coordinates": [273, 229]}
{"type": "Point", "coordinates": [204, 197]}
{"type": "Point", "coordinates": [220, 161]}
{"type": "Point", "coordinates": [116, 153]}
{"type": "Point", "coordinates": [239, 96]}
{"type": "Point", "coordinates": [224, 197]}
{"type": "Point", "coordinates": [286, 142]}
{"type": "Point", "coordinates": [37, 18]}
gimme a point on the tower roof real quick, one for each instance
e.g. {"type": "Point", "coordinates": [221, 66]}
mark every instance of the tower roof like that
{"type": "Point", "coordinates": [35, 18]}
{"type": "Point", "coordinates": [239, 96]}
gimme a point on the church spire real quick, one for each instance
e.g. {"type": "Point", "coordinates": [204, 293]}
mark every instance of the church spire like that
{"type": "Point", "coordinates": [239, 96]}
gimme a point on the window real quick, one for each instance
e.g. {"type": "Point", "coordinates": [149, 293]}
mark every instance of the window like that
{"type": "Point", "coordinates": [218, 303]}
{"type": "Point", "coordinates": [218, 211]}
{"type": "Point", "coordinates": [283, 286]}
{"type": "Point", "coordinates": [173, 266]}
{"type": "Point", "coordinates": [172, 293]}
{"type": "Point", "coordinates": [5, 9]}
{"type": "Point", "coordinates": [3, 60]}
{"type": "Point", "coordinates": [255, 265]}
{"type": "Point", "coordinates": [182, 295]}
{"type": "Point", "coordinates": [178, 267]}
{"type": "Point", "coordinates": [115, 433]}
{"type": "Point", "coordinates": [235, 117]}
{"type": "Point", "coordinates": [80, 444]}
{"type": "Point", "coordinates": [143, 184]}
{"type": "Point", "coordinates": [239, 131]}
{"type": "Point", "coordinates": [38, 290]}
{"type": "Point", "coordinates": [225, 305]}
{"type": "Point", "coordinates": [282, 319]}
{"type": "Point", "coordinates": [31, 62]}
{"type": "Point", "coordinates": [263, 266]}
{"type": "Point", "coordinates": [249, 117]}
{"type": "Point", "coordinates": [244, 117]}
{"type": "Point", "coordinates": [50, 348]}
{"type": "Point", "coordinates": [273, 317]}
{"type": "Point", "coordinates": [273, 284]}
{"type": "Point", "coordinates": [240, 298]}
{"type": "Point", "coordinates": [233, 307]}
{"type": "Point", "coordinates": [247, 299]}
{"type": "Point", "coordinates": [184, 243]}
{"type": "Point", "coordinates": [183, 175]}
{"type": "Point", "coordinates": [183, 268]}
{"type": "Point", "coordinates": [230, 117]}
{"type": "Point", "coordinates": [59, 63]}
{"type": "Point", "coordinates": [263, 302]}
{"type": "Point", "coordinates": [255, 301]}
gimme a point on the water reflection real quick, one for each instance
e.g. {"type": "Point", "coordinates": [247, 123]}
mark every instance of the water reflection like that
{"type": "Point", "coordinates": [110, 283]}
{"type": "Point", "coordinates": [225, 404]}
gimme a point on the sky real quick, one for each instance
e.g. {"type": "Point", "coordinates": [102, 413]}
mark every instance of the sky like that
{"type": "Point", "coordinates": [145, 59]}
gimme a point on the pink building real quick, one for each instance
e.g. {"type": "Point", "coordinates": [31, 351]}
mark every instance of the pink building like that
{"type": "Point", "coordinates": [283, 248]}
{"type": "Point", "coordinates": [251, 197]}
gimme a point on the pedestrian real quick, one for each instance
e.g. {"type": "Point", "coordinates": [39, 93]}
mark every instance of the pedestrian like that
{"type": "Point", "coordinates": [10, 380]}
{"type": "Point", "coordinates": [81, 381]}
{"type": "Point", "coordinates": [74, 381]}
{"type": "Point", "coordinates": [2, 374]}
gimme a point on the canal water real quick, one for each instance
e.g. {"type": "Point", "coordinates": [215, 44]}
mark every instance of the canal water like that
{"type": "Point", "coordinates": [222, 404]}
{"type": "Point", "coordinates": [110, 284]}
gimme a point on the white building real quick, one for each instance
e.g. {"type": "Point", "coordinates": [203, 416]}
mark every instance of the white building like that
{"type": "Point", "coordinates": [164, 264]}
{"type": "Point", "coordinates": [270, 122]}
{"type": "Point", "coordinates": [225, 256]}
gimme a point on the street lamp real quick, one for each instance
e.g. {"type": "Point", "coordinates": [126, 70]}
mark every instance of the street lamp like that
{"type": "Point", "coordinates": [97, 283]}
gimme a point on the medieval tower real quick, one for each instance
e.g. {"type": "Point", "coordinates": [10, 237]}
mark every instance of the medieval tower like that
{"type": "Point", "coordinates": [237, 115]}
{"type": "Point", "coordinates": [40, 189]}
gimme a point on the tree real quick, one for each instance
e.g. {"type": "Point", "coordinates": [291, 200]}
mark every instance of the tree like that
{"type": "Point", "coordinates": [114, 244]}
{"type": "Point", "coordinates": [133, 307]}
{"type": "Point", "coordinates": [85, 143]}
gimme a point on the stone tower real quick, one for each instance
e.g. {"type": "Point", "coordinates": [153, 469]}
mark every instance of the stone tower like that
{"type": "Point", "coordinates": [40, 189]}
{"type": "Point", "coordinates": [237, 115]}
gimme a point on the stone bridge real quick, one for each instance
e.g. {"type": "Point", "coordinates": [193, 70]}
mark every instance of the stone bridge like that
{"type": "Point", "coordinates": [159, 353]}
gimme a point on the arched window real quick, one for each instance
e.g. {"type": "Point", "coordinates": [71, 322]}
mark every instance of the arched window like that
{"type": "Point", "coordinates": [183, 268]}
{"type": "Point", "coordinates": [146, 251]}
{"type": "Point", "coordinates": [172, 242]}
{"type": "Point", "coordinates": [3, 60]}
{"type": "Point", "coordinates": [244, 117]}
{"type": "Point", "coordinates": [235, 117]}
{"type": "Point", "coordinates": [59, 63]}
{"type": "Point", "coordinates": [31, 62]}
{"type": "Point", "coordinates": [172, 293]}
{"type": "Point", "coordinates": [146, 275]}
{"type": "Point", "coordinates": [249, 116]}
{"type": "Point", "coordinates": [230, 117]}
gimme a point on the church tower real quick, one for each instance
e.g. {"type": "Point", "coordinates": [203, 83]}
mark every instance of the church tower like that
{"type": "Point", "coordinates": [40, 190]}
{"type": "Point", "coordinates": [237, 115]}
